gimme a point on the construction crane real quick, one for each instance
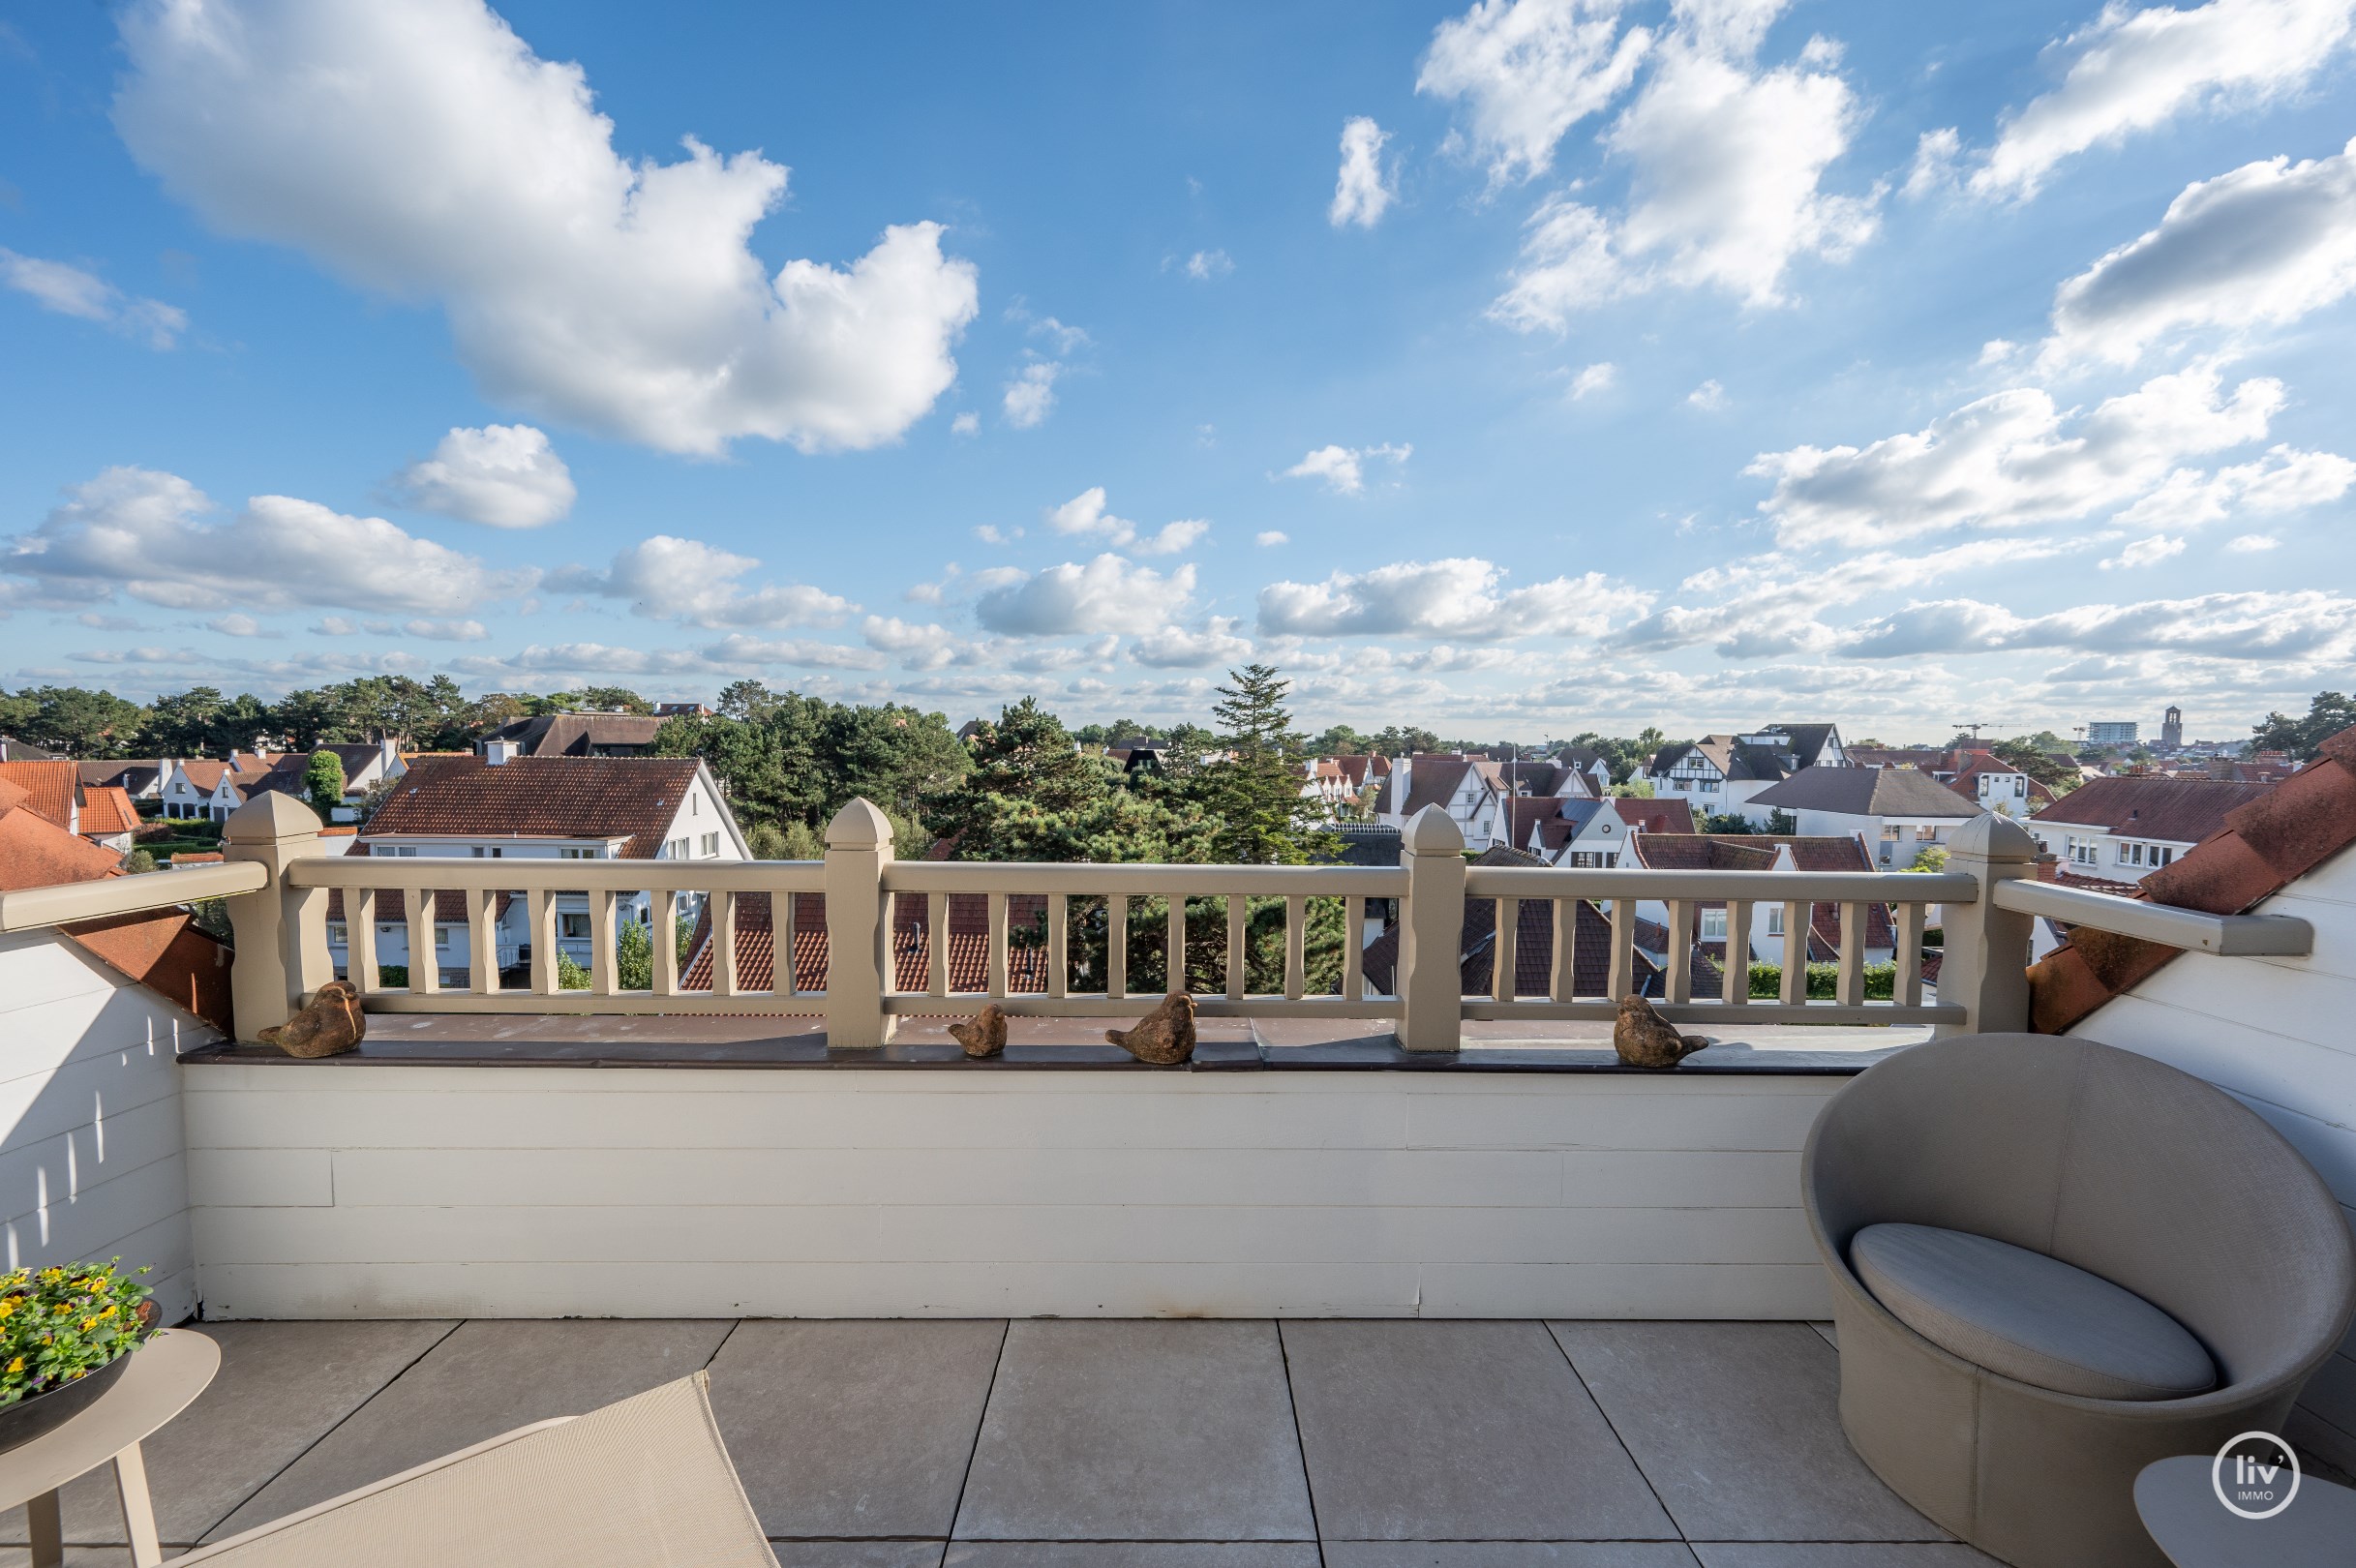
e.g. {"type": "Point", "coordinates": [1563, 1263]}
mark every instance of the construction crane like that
{"type": "Point", "coordinates": [1977, 725]}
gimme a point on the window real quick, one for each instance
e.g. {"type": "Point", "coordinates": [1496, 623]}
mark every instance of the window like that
{"type": "Point", "coordinates": [576, 855]}
{"type": "Point", "coordinates": [2167, 856]}
{"type": "Point", "coordinates": [493, 852]}
{"type": "Point", "coordinates": [573, 928]}
{"type": "Point", "coordinates": [1774, 919]}
{"type": "Point", "coordinates": [711, 844]}
{"type": "Point", "coordinates": [337, 935]}
{"type": "Point", "coordinates": [441, 938]}
{"type": "Point", "coordinates": [1713, 926]}
{"type": "Point", "coordinates": [677, 848]}
{"type": "Point", "coordinates": [1926, 833]}
{"type": "Point", "coordinates": [395, 848]}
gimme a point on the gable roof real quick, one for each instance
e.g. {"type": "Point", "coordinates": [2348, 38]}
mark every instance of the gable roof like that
{"type": "Point", "coordinates": [578, 735]}
{"type": "Point", "coordinates": [1533, 946]}
{"type": "Point", "coordinates": [1431, 781]}
{"type": "Point", "coordinates": [49, 787]}
{"type": "Point", "coordinates": [1757, 852]}
{"type": "Point", "coordinates": [1807, 739]}
{"type": "Point", "coordinates": [2152, 805]}
{"type": "Point", "coordinates": [1654, 816]}
{"type": "Point", "coordinates": [1865, 791]}
{"type": "Point", "coordinates": [106, 810]}
{"type": "Point", "coordinates": [1922, 757]}
{"type": "Point", "coordinates": [635, 799]}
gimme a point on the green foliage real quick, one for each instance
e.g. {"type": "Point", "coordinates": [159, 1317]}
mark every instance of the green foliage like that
{"type": "Point", "coordinates": [1782, 822]}
{"type": "Point", "coordinates": [570, 976]}
{"type": "Point", "coordinates": [59, 1324]}
{"type": "Point", "coordinates": [396, 977]}
{"type": "Point", "coordinates": [138, 862]}
{"type": "Point", "coordinates": [1397, 740]}
{"type": "Point", "coordinates": [211, 915]}
{"type": "Point", "coordinates": [1253, 793]}
{"type": "Point", "coordinates": [1932, 858]}
{"type": "Point", "coordinates": [2327, 715]}
{"type": "Point", "coordinates": [1727, 821]}
{"type": "Point", "coordinates": [1029, 796]}
{"type": "Point", "coordinates": [1636, 789]}
{"type": "Point", "coordinates": [2024, 754]}
{"type": "Point", "coordinates": [74, 720]}
{"type": "Point", "coordinates": [1824, 981]}
{"type": "Point", "coordinates": [765, 841]}
{"type": "Point", "coordinates": [634, 958]}
{"type": "Point", "coordinates": [323, 781]}
{"type": "Point", "coordinates": [784, 759]}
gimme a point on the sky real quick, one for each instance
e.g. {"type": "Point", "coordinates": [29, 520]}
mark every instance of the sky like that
{"type": "Point", "coordinates": [1528, 368]}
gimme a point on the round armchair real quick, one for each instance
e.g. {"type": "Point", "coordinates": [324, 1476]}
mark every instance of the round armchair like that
{"type": "Point", "coordinates": [2118, 1165]}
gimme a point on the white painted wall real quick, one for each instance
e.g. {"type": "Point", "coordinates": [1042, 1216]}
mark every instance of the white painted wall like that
{"type": "Point", "coordinates": [373, 1192]}
{"type": "Point", "coordinates": [92, 1162]}
{"type": "Point", "coordinates": [2274, 1032]}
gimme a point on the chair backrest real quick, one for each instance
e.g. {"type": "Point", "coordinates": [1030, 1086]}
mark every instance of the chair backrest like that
{"type": "Point", "coordinates": [2106, 1159]}
{"type": "Point", "coordinates": [642, 1484]}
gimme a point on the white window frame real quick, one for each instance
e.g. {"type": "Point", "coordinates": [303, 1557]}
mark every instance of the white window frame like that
{"type": "Point", "coordinates": [572, 925]}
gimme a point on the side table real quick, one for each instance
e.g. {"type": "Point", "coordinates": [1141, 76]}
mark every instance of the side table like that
{"type": "Point", "coordinates": [2178, 1507]}
{"type": "Point", "coordinates": [164, 1377]}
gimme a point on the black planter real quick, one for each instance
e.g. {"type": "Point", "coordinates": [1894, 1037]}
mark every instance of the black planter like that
{"type": "Point", "coordinates": [43, 1413]}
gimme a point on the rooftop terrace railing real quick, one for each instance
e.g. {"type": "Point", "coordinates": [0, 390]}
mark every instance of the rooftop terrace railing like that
{"type": "Point", "coordinates": [882, 961]}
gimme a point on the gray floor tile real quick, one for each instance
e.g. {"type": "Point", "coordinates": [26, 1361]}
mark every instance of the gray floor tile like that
{"type": "Point", "coordinates": [1506, 1555]}
{"type": "Point", "coordinates": [1132, 1554]}
{"type": "Point", "coordinates": [854, 1428]}
{"type": "Point", "coordinates": [83, 1557]}
{"type": "Point", "coordinates": [1458, 1431]}
{"type": "Point", "coordinates": [1129, 1430]}
{"type": "Point", "coordinates": [1738, 1428]}
{"type": "Point", "coordinates": [857, 1554]}
{"type": "Point", "coordinates": [1832, 1335]}
{"type": "Point", "coordinates": [281, 1388]}
{"type": "Point", "coordinates": [486, 1379]}
{"type": "Point", "coordinates": [1840, 1554]}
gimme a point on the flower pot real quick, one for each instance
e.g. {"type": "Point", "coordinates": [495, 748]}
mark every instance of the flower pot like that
{"type": "Point", "coordinates": [43, 1413]}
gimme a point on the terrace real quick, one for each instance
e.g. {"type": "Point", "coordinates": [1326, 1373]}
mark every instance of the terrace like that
{"type": "Point", "coordinates": [1409, 1277]}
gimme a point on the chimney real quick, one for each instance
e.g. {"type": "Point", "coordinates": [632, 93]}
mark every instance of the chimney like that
{"type": "Point", "coordinates": [496, 752]}
{"type": "Point", "coordinates": [389, 752]}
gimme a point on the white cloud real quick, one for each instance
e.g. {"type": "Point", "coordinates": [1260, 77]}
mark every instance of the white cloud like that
{"type": "Point", "coordinates": [1936, 153]}
{"type": "Point", "coordinates": [991, 533]}
{"type": "Point", "coordinates": [1269, 538]}
{"type": "Point", "coordinates": [1066, 339]}
{"type": "Point", "coordinates": [1995, 351]}
{"type": "Point", "coordinates": [1107, 595]}
{"type": "Point", "coordinates": [672, 578]}
{"type": "Point", "coordinates": [1174, 648]}
{"type": "Point", "coordinates": [69, 291]}
{"type": "Point", "coordinates": [235, 625]}
{"type": "Point", "coordinates": [1343, 468]}
{"type": "Point", "coordinates": [137, 531]}
{"type": "Point", "coordinates": [1726, 166]}
{"type": "Point", "coordinates": [2134, 70]}
{"type": "Point", "coordinates": [425, 152]}
{"type": "Point", "coordinates": [1085, 516]}
{"type": "Point", "coordinates": [2219, 626]}
{"type": "Point", "coordinates": [1457, 597]}
{"type": "Point", "coordinates": [1361, 195]}
{"type": "Point", "coordinates": [1204, 265]}
{"type": "Point", "coordinates": [2262, 244]}
{"type": "Point", "coordinates": [2250, 544]}
{"type": "Point", "coordinates": [1031, 394]}
{"type": "Point", "coordinates": [1709, 396]}
{"type": "Point", "coordinates": [1527, 71]}
{"type": "Point", "coordinates": [892, 635]}
{"type": "Point", "coordinates": [503, 475]}
{"type": "Point", "coordinates": [1600, 376]}
{"type": "Point", "coordinates": [435, 631]}
{"type": "Point", "coordinates": [968, 423]}
{"type": "Point", "coordinates": [2010, 459]}
{"type": "Point", "coordinates": [738, 648]}
{"type": "Point", "coordinates": [2285, 479]}
{"type": "Point", "coordinates": [334, 626]}
{"type": "Point", "coordinates": [2147, 552]}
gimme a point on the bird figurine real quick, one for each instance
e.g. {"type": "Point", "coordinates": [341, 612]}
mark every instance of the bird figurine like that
{"type": "Point", "coordinates": [982, 1034]}
{"type": "Point", "coordinates": [1165, 1035]}
{"type": "Point", "coordinates": [1644, 1038]}
{"type": "Point", "coordinates": [331, 1025]}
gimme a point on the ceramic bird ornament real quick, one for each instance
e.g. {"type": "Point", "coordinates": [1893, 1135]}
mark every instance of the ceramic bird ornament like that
{"type": "Point", "coordinates": [1165, 1035]}
{"type": "Point", "coordinates": [1644, 1038]}
{"type": "Point", "coordinates": [330, 1026]}
{"type": "Point", "coordinates": [982, 1034]}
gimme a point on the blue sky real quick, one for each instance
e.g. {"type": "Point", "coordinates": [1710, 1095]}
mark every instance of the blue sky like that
{"type": "Point", "coordinates": [1524, 367]}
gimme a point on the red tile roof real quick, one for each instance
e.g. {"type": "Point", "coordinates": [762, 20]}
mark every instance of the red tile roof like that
{"type": "Point", "coordinates": [2267, 843]}
{"type": "Point", "coordinates": [2152, 805]}
{"type": "Point", "coordinates": [635, 799]}
{"type": "Point", "coordinates": [969, 955]}
{"type": "Point", "coordinates": [1756, 851]}
{"type": "Point", "coordinates": [1655, 816]}
{"type": "Point", "coordinates": [48, 787]}
{"type": "Point", "coordinates": [107, 811]}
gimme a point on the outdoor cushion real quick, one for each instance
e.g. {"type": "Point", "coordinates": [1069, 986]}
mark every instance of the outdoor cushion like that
{"type": "Point", "coordinates": [2028, 1316]}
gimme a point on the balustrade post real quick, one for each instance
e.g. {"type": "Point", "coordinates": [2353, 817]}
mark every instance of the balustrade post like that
{"type": "Point", "coordinates": [1430, 982]}
{"type": "Point", "coordinates": [858, 937]}
{"type": "Point", "coordinates": [281, 932]}
{"type": "Point", "coordinates": [1986, 967]}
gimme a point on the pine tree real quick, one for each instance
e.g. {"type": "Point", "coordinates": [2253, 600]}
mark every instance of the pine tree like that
{"type": "Point", "coordinates": [1254, 792]}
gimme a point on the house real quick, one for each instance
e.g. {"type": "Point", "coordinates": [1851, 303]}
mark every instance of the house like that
{"type": "Point", "coordinates": [573, 735]}
{"type": "Point", "coordinates": [209, 790]}
{"type": "Point", "coordinates": [1995, 785]}
{"type": "Point", "coordinates": [139, 778]}
{"type": "Point", "coordinates": [2126, 826]}
{"type": "Point", "coordinates": [1924, 758]}
{"type": "Point", "coordinates": [1895, 812]}
{"type": "Point", "coordinates": [366, 765]}
{"type": "Point", "coordinates": [1584, 831]}
{"type": "Point", "coordinates": [107, 818]}
{"type": "Point", "coordinates": [1726, 773]}
{"type": "Point", "coordinates": [1591, 763]}
{"type": "Point", "coordinates": [571, 809]}
{"type": "Point", "coordinates": [53, 791]}
{"type": "Point", "coordinates": [664, 711]}
{"type": "Point", "coordinates": [1765, 852]}
{"type": "Point", "coordinates": [1466, 788]}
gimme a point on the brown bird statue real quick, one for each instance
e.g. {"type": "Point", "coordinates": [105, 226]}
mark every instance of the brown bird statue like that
{"type": "Point", "coordinates": [982, 1034]}
{"type": "Point", "coordinates": [1644, 1038]}
{"type": "Point", "coordinates": [1165, 1035]}
{"type": "Point", "coordinates": [330, 1026]}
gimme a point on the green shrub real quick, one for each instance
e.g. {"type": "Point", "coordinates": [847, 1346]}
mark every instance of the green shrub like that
{"type": "Point", "coordinates": [1824, 981]}
{"type": "Point", "coordinates": [58, 1324]}
{"type": "Point", "coordinates": [393, 976]}
{"type": "Point", "coordinates": [570, 976]}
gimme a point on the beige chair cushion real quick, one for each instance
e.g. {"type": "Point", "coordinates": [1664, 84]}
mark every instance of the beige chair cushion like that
{"type": "Point", "coordinates": [2027, 1316]}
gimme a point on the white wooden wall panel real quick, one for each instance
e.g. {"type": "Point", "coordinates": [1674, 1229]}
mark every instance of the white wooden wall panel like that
{"type": "Point", "coordinates": [2280, 1034]}
{"type": "Point", "coordinates": [532, 1192]}
{"type": "Point", "coordinates": [92, 1160]}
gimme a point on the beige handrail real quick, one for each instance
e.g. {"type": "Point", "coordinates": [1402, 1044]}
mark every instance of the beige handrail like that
{"type": "Point", "coordinates": [29, 909]}
{"type": "Point", "coordinates": [2227, 935]}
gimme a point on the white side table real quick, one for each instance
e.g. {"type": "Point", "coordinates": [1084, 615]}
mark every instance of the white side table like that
{"type": "Point", "coordinates": [2180, 1508]}
{"type": "Point", "coordinates": [164, 1377]}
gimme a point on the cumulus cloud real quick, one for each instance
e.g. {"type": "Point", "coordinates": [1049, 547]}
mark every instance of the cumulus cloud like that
{"type": "Point", "coordinates": [2285, 479]}
{"type": "Point", "coordinates": [968, 423]}
{"type": "Point", "coordinates": [2146, 552]}
{"type": "Point", "coordinates": [2250, 544]}
{"type": "Point", "coordinates": [1527, 71]}
{"type": "Point", "coordinates": [738, 648]}
{"type": "Point", "coordinates": [2265, 244]}
{"type": "Point", "coordinates": [235, 625]}
{"type": "Point", "coordinates": [1343, 468]}
{"type": "Point", "coordinates": [1600, 376]}
{"type": "Point", "coordinates": [1727, 162]}
{"type": "Point", "coordinates": [506, 477]}
{"type": "Point", "coordinates": [139, 530]}
{"type": "Point", "coordinates": [71, 290]}
{"type": "Point", "coordinates": [1031, 394]}
{"type": "Point", "coordinates": [1174, 648]}
{"type": "Point", "coordinates": [2301, 624]}
{"type": "Point", "coordinates": [1085, 516]}
{"type": "Point", "coordinates": [2015, 458]}
{"type": "Point", "coordinates": [672, 578]}
{"type": "Point", "coordinates": [1204, 265]}
{"type": "Point", "coordinates": [1457, 597]}
{"type": "Point", "coordinates": [1269, 538]}
{"type": "Point", "coordinates": [427, 153]}
{"type": "Point", "coordinates": [1361, 194]}
{"type": "Point", "coordinates": [1106, 595]}
{"type": "Point", "coordinates": [1708, 397]}
{"type": "Point", "coordinates": [2133, 71]}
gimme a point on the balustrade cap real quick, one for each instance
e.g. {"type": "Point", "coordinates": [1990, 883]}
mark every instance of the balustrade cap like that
{"type": "Point", "coordinates": [1993, 837]}
{"type": "Point", "coordinates": [1433, 832]}
{"type": "Point", "coordinates": [859, 826]}
{"type": "Point", "coordinates": [270, 816]}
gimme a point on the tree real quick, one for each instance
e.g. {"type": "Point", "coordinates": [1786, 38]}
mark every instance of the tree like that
{"type": "Point", "coordinates": [1340, 740]}
{"type": "Point", "coordinates": [1727, 821]}
{"type": "Point", "coordinates": [1394, 741]}
{"type": "Point", "coordinates": [323, 781]}
{"type": "Point", "coordinates": [79, 722]}
{"type": "Point", "coordinates": [2303, 737]}
{"type": "Point", "coordinates": [1254, 792]}
{"type": "Point", "coordinates": [1782, 823]}
{"type": "Point", "coordinates": [2023, 753]}
{"type": "Point", "coordinates": [1930, 858]}
{"type": "Point", "coordinates": [597, 700]}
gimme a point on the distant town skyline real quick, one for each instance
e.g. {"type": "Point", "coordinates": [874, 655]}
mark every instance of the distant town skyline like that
{"type": "Point", "coordinates": [1519, 368]}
